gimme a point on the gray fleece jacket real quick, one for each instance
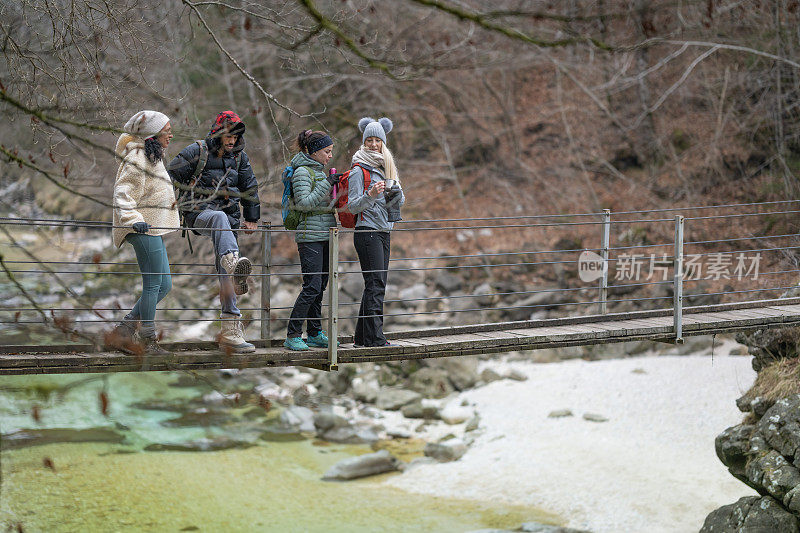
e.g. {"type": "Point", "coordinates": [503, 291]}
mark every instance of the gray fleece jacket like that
{"type": "Point", "coordinates": [371, 211]}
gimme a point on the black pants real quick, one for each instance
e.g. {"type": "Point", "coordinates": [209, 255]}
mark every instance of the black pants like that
{"type": "Point", "coordinates": [373, 254]}
{"type": "Point", "coordinates": [308, 307]}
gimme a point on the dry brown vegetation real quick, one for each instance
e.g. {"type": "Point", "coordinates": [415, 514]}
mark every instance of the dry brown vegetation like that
{"type": "Point", "coordinates": [778, 380]}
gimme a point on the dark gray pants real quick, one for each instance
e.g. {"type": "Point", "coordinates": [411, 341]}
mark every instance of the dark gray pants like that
{"type": "Point", "coordinates": [308, 306]}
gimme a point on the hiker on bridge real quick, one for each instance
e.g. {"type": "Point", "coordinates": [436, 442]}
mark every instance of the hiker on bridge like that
{"type": "Point", "coordinates": [375, 198]}
{"type": "Point", "coordinates": [311, 191]}
{"type": "Point", "coordinates": [214, 176]}
{"type": "Point", "coordinates": [144, 210]}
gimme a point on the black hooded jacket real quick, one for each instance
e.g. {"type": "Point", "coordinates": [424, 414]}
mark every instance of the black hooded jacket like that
{"type": "Point", "coordinates": [219, 176]}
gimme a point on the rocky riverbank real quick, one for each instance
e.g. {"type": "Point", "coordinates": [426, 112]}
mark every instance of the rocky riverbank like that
{"type": "Point", "coordinates": [763, 451]}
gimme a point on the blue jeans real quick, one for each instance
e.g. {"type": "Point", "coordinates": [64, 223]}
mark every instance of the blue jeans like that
{"type": "Point", "coordinates": [156, 279]}
{"type": "Point", "coordinates": [216, 226]}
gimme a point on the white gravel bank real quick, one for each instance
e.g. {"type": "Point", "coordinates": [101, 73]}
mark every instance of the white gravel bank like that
{"type": "Point", "coordinates": [650, 468]}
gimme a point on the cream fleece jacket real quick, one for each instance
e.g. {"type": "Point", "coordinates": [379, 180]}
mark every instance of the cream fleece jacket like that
{"type": "Point", "coordinates": [143, 192]}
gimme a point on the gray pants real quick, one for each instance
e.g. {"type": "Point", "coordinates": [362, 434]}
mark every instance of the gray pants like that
{"type": "Point", "coordinates": [215, 225]}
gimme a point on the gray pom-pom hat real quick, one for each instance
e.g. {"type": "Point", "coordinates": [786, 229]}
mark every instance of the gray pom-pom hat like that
{"type": "Point", "coordinates": [375, 128]}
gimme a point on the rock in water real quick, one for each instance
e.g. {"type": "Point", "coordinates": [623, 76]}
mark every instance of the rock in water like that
{"type": "Point", "coordinates": [751, 514]}
{"type": "Point", "coordinates": [36, 437]}
{"type": "Point", "coordinates": [199, 445]}
{"type": "Point", "coordinates": [362, 466]}
{"type": "Point", "coordinates": [449, 450]}
{"type": "Point", "coordinates": [350, 434]}
{"type": "Point", "coordinates": [300, 418]}
{"type": "Point", "coordinates": [535, 527]}
{"type": "Point", "coordinates": [325, 420]}
{"type": "Point", "coordinates": [594, 417]}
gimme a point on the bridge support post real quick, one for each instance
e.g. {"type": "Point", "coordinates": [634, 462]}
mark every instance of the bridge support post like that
{"type": "Point", "coordinates": [333, 299]}
{"type": "Point", "coordinates": [605, 244]}
{"type": "Point", "coordinates": [677, 280]}
{"type": "Point", "coordinates": [266, 291]}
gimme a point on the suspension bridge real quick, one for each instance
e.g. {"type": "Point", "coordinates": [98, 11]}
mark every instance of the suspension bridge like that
{"type": "Point", "coordinates": [745, 275]}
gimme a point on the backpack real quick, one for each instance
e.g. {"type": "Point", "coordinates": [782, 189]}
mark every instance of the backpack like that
{"type": "Point", "coordinates": [346, 218]}
{"type": "Point", "coordinates": [291, 216]}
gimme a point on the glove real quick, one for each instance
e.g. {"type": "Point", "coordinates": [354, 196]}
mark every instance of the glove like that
{"type": "Point", "coordinates": [333, 179]}
{"type": "Point", "coordinates": [141, 227]}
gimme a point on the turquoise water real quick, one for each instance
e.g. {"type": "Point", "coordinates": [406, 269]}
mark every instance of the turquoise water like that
{"type": "Point", "coordinates": [267, 486]}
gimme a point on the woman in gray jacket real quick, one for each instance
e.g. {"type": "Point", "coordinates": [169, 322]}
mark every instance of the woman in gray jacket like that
{"type": "Point", "coordinates": [311, 191]}
{"type": "Point", "coordinates": [377, 207]}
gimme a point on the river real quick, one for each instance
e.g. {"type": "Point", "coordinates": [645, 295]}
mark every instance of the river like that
{"type": "Point", "coordinates": [261, 485]}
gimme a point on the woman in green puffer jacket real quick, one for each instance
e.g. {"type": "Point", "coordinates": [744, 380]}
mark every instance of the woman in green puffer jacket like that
{"type": "Point", "coordinates": [311, 192]}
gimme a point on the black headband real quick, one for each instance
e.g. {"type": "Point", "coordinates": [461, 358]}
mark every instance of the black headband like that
{"type": "Point", "coordinates": [319, 144]}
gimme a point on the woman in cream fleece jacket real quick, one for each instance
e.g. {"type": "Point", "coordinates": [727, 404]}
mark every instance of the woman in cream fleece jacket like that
{"type": "Point", "coordinates": [144, 210]}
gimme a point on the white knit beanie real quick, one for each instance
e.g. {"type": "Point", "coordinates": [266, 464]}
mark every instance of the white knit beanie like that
{"type": "Point", "coordinates": [146, 123]}
{"type": "Point", "coordinates": [375, 128]}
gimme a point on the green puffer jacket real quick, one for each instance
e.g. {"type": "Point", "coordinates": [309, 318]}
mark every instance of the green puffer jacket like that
{"type": "Point", "coordinates": [312, 196]}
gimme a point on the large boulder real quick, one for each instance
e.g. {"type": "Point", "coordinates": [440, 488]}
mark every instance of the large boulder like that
{"type": "Point", "coordinates": [732, 447]}
{"type": "Point", "coordinates": [362, 466]}
{"type": "Point", "coordinates": [751, 514]}
{"type": "Point", "coordinates": [461, 371]}
{"type": "Point", "coordinates": [326, 419]}
{"type": "Point", "coordinates": [455, 413]}
{"type": "Point", "coordinates": [391, 399]}
{"type": "Point", "coordinates": [775, 474]}
{"type": "Point", "coordinates": [365, 390]}
{"type": "Point", "coordinates": [431, 382]}
{"type": "Point", "coordinates": [421, 409]}
{"type": "Point", "coordinates": [770, 345]}
{"type": "Point", "coordinates": [780, 427]}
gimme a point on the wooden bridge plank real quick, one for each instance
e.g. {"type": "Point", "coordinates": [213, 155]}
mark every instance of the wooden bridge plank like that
{"type": "Point", "coordinates": [728, 318]}
{"type": "Point", "coordinates": [505, 337]}
{"type": "Point", "coordinates": [792, 308]}
{"type": "Point", "coordinates": [443, 342]}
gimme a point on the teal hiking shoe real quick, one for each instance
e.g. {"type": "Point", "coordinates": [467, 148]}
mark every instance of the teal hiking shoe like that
{"type": "Point", "coordinates": [320, 339]}
{"type": "Point", "coordinates": [296, 344]}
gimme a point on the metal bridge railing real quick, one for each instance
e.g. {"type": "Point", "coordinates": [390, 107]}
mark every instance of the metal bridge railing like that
{"type": "Point", "coordinates": [499, 250]}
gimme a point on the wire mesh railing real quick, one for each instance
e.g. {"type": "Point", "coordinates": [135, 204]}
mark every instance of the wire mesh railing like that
{"type": "Point", "coordinates": [491, 269]}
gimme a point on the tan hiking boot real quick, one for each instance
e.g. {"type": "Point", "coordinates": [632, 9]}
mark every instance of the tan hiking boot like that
{"type": "Point", "coordinates": [231, 336]}
{"type": "Point", "coordinates": [239, 268]}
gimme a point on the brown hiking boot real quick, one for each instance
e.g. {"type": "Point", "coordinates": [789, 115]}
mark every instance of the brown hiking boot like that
{"type": "Point", "coordinates": [122, 337]}
{"type": "Point", "coordinates": [151, 347]}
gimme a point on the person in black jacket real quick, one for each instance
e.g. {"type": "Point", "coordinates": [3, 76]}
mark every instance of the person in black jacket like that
{"type": "Point", "coordinates": [213, 177]}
